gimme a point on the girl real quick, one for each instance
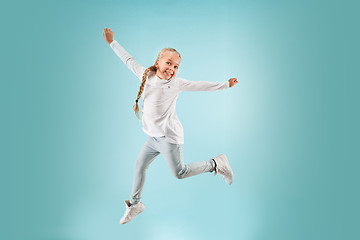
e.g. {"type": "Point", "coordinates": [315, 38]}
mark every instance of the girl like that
{"type": "Point", "coordinates": [161, 88]}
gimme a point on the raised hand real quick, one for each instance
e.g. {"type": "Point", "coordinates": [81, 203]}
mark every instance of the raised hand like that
{"type": "Point", "coordinates": [232, 82]}
{"type": "Point", "coordinates": [108, 35]}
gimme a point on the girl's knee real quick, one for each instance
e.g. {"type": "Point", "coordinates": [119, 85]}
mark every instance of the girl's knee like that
{"type": "Point", "coordinates": [140, 168]}
{"type": "Point", "coordinates": [181, 174]}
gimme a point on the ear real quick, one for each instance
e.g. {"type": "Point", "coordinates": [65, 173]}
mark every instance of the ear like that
{"type": "Point", "coordinates": [156, 64]}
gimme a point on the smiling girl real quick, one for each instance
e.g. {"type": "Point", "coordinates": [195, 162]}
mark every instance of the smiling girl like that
{"type": "Point", "coordinates": [160, 88]}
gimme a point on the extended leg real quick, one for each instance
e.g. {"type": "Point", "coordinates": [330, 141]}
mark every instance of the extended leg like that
{"type": "Point", "coordinates": [173, 153]}
{"type": "Point", "coordinates": [145, 158]}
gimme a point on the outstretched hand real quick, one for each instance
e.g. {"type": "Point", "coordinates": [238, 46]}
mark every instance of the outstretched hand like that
{"type": "Point", "coordinates": [232, 82]}
{"type": "Point", "coordinates": [108, 35]}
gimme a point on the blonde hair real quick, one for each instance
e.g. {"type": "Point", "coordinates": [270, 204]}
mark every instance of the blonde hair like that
{"type": "Point", "coordinates": [145, 76]}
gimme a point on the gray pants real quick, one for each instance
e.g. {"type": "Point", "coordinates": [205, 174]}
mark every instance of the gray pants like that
{"type": "Point", "coordinates": [173, 154]}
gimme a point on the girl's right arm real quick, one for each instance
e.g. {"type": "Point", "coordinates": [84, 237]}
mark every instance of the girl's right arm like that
{"type": "Point", "coordinates": [129, 61]}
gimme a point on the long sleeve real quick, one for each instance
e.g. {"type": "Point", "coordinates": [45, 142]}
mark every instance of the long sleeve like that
{"type": "Point", "coordinates": [129, 61]}
{"type": "Point", "coordinates": [186, 85]}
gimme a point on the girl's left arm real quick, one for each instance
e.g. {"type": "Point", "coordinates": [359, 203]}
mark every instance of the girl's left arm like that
{"type": "Point", "coordinates": [186, 85]}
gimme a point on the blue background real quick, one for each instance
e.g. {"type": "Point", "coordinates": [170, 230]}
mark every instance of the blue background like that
{"type": "Point", "coordinates": [70, 137]}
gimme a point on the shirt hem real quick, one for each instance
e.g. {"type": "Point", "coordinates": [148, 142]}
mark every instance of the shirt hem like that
{"type": "Point", "coordinates": [169, 140]}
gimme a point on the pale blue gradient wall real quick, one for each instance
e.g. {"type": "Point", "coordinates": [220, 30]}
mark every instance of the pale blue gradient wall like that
{"type": "Point", "coordinates": [289, 128]}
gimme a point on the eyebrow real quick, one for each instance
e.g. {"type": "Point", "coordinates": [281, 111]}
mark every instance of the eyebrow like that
{"type": "Point", "coordinates": [175, 63]}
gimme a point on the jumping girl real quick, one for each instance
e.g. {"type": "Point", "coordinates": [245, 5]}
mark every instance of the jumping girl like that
{"type": "Point", "coordinates": [161, 88]}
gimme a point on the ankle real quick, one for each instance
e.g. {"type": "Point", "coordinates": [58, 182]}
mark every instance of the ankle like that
{"type": "Point", "coordinates": [215, 165]}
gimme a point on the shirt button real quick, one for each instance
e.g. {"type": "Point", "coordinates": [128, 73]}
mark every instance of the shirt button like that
{"type": "Point", "coordinates": [168, 86]}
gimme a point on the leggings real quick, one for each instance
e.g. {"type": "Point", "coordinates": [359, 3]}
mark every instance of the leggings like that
{"type": "Point", "coordinates": [173, 154]}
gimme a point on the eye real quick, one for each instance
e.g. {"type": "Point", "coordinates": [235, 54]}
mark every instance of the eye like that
{"type": "Point", "coordinates": [176, 67]}
{"type": "Point", "coordinates": [168, 63]}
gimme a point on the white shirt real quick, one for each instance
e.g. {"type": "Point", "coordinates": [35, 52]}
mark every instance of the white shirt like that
{"type": "Point", "coordinates": [159, 98]}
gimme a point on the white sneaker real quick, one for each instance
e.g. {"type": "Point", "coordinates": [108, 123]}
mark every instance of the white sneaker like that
{"type": "Point", "coordinates": [132, 211]}
{"type": "Point", "coordinates": [223, 167]}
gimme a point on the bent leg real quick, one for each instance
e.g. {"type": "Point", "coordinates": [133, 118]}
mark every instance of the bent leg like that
{"type": "Point", "coordinates": [173, 154]}
{"type": "Point", "coordinates": [145, 158]}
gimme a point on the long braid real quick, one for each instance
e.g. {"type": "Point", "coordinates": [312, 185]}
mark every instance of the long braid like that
{"type": "Point", "coordinates": [142, 85]}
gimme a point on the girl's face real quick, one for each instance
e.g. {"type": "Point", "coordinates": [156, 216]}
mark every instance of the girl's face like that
{"type": "Point", "coordinates": [167, 65]}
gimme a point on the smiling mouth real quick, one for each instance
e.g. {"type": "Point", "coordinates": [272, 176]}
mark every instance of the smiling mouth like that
{"type": "Point", "coordinates": [169, 74]}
